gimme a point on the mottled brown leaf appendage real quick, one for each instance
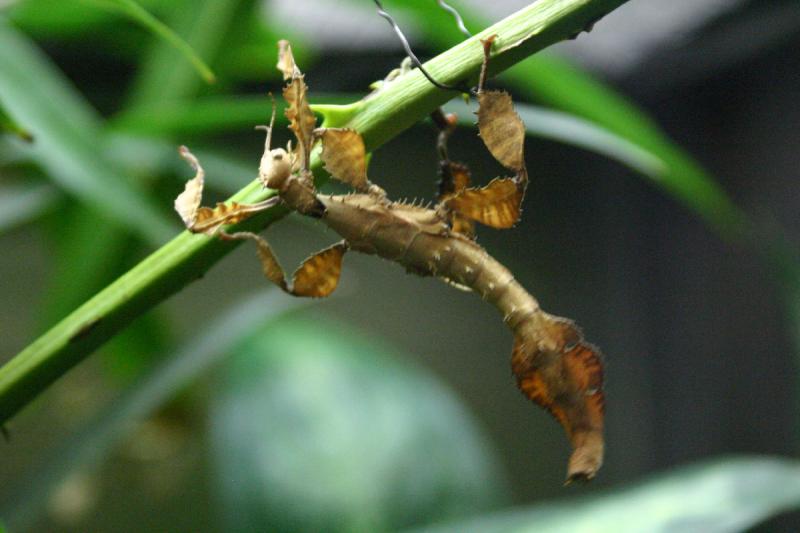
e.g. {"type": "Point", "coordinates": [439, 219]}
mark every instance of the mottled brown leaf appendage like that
{"type": "Point", "coordinates": [344, 157]}
{"type": "Point", "coordinates": [497, 205]}
{"type": "Point", "coordinates": [553, 365]}
{"type": "Point", "coordinates": [455, 178]}
{"type": "Point", "coordinates": [286, 61]}
{"type": "Point", "coordinates": [318, 276]}
{"type": "Point", "coordinates": [564, 375]}
{"type": "Point", "coordinates": [501, 129]}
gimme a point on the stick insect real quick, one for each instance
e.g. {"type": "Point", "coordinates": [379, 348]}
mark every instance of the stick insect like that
{"type": "Point", "coordinates": [552, 363]}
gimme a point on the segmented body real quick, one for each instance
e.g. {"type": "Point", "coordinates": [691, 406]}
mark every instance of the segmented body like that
{"type": "Point", "coordinates": [553, 365]}
{"type": "Point", "coordinates": [549, 352]}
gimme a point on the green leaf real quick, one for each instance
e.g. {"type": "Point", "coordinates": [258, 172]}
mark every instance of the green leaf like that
{"type": "Point", "coordinates": [20, 204]}
{"type": "Point", "coordinates": [67, 135]}
{"type": "Point", "coordinates": [215, 114]}
{"type": "Point", "coordinates": [137, 13]}
{"type": "Point", "coordinates": [163, 76]}
{"type": "Point", "coordinates": [720, 496]}
{"type": "Point", "coordinates": [9, 125]}
{"type": "Point", "coordinates": [311, 412]}
{"type": "Point", "coordinates": [89, 444]}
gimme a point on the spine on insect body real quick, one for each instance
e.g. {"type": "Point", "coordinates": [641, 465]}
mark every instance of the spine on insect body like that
{"type": "Point", "coordinates": [552, 363]}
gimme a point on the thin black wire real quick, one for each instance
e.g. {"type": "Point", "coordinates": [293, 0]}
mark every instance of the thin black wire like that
{"type": "Point", "coordinates": [411, 54]}
{"type": "Point", "coordinates": [459, 21]}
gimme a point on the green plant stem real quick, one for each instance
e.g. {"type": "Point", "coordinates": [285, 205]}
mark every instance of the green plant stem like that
{"type": "Point", "coordinates": [187, 257]}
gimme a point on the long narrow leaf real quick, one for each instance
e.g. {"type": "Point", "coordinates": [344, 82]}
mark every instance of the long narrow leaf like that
{"type": "Point", "coordinates": [555, 82]}
{"type": "Point", "coordinates": [21, 204]}
{"type": "Point", "coordinates": [91, 443]}
{"type": "Point", "coordinates": [139, 14]}
{"type": "Point", "coordinates": [721, 496]}
{"type": "Point", "coordinates": [576, 131]}
{"type": "Point", "coordinates": [66, 132]}
{"type": "Point", "coordinates": [163, 76]}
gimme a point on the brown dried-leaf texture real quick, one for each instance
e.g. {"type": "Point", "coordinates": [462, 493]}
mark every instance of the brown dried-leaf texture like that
{"type": "Point", "coordinates": [501, 129]}
{"type": "Point", "coordinates": [301, 119]}
{"type": "Point", "coordinates": [286, 62]}
{"type": "Point", "coordinates": [567, 381]}
{"type": "Point", "coordinates": [497, 205]}
{"type": "Point", "coordinates": [187, 202]}
{"type": "Point", "coordinates": [344, 156]}
{"type": "Point", "coordinates": [455, 178]}
{"type": "Point", "coordinates": [205, 219]}
{"type": "Point", "coordinates": [318, 276]}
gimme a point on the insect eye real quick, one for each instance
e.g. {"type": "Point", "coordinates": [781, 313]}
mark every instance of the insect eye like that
{"type": "Point", "coordinates": [277, 157]}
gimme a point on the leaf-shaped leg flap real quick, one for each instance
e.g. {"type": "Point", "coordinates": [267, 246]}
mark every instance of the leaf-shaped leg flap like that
{"type": "Point", "coordinates": [497, 205]}
{"type": "Point", "coordinates": [205, 219]}
{"type": "Point", "coordinates": [318, 276]}
{"type": "Point", "coordinates": [501, 129]}
{"type": "Point", "coordinates": [345, 157]}
{"type": "Point", "coordinates": [455, 177]}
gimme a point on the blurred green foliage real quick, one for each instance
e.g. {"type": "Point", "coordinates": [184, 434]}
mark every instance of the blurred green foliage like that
{"type": "Point", "coordinates": [290, 422]}
{"type": "Point", "coordinates": [330, 432]}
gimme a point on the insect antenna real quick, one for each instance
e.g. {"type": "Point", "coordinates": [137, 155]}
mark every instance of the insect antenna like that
{"type": "Point", "coordinates": [268, 129]}
{"type": "Point", "coordinates": [407, 47]}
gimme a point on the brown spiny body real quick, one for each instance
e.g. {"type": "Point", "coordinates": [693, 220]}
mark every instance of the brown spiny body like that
{"type": "Point", "coordinates": [549, 353]}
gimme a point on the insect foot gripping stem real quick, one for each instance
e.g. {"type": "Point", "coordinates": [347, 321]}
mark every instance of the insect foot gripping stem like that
{"type": "Point", "coordinates": [564, 375]}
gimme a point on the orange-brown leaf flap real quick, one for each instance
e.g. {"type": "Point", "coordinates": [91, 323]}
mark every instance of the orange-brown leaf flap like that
{"type": "Point", "coordinates": [497, 205]}
{"type": "Point", "coordinates": [345, 157]}
{"type": "Point", "coordinates": [301, 119]}
{"type": "Point", "coordinates": [187, 202]}
{"type": "Point", "coordinates": [564, 375]}
{"type": "Point", "coordinates": [501, 129]}
{"type": "Point", "coordinates": [286, 62]}
{"type": "Point", "coordinates": [455, 178]}
{"type": "Point", "coordinates": [318, 276]}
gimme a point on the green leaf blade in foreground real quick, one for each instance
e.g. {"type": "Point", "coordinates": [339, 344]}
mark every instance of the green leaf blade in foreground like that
{"type": "Point", "coordinates": [721, 496]}
{"type": "Point", "coordinates": [67, 136]}
{"type": "Point", "coordinates": [395, 108]}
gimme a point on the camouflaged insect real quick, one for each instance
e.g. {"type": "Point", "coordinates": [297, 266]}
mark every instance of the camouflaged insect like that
{"type": "Point", "coordinates": [552, 363]}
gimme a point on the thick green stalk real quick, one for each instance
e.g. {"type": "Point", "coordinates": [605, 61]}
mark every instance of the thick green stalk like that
{"type": "Point", "coordinates": [185, 258]}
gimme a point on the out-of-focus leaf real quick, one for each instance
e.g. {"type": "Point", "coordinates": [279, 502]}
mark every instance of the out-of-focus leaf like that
{"type": "Point", "coordinates": [212, 114]}
{"type": "Point", "coordinates": [315, 429]}
{"type": "Point", "coordinates": [154, 156]}
{"type": "Point", "coordinates": [163, 75]}
{"type": "Point", "coordinates": [56, 18]}
{"type": "Point", "coordinates": [721, 496]}
{"type": "Point", "coordinates": [92, 442]}
{"type": "Point", "coordinates": [20, 204]}
{"type": "Point", "coordinates": [136, 12]}
{"type": "Point", "coordinates": [67, 135]}
{"type": "Point", "coordinates": [555, 82]}
{"type": "Point", "coordinates": [570, 129]}
{"type": "Point", "coordinates": [8, 125]}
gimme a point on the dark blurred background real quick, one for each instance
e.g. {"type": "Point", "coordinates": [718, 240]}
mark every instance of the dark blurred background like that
{"type": "Point", "coordinates": [698, 327]}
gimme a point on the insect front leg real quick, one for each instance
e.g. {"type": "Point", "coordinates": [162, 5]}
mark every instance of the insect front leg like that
{"type": "Point", "coordinates": [317, 277]}
{"type": "Point", "coordinates": [208, 220]}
